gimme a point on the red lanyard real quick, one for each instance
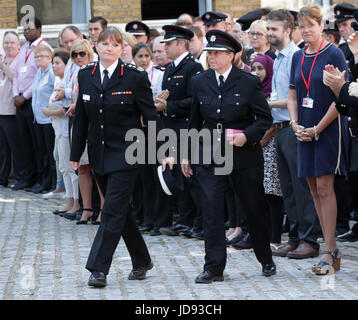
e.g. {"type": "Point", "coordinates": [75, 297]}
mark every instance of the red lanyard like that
{"type": "Point", "coordinates": [71, 72]}
{"type": "Point", "coordinates": [307, 84]}
{"type": "Point", "coordinates": [151, 76]}
{"type": "Point", "coordinates": [27, 55]}
{"type": "Point", "coordinates": [12, 60]}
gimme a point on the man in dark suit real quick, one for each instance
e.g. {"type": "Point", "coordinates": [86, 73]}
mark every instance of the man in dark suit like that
{"type": "Point", "coordinates": [225, 97]}
{"type": "Point", "coordinates": [176, 110]}
{"type": "Point", "coordinates": [111, 100]}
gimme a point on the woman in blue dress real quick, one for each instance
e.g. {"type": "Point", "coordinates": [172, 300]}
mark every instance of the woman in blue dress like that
{"type": "Point", "coordinates": [320, 130]}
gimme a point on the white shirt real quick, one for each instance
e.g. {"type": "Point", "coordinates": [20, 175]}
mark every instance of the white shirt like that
{"type": "Point", "coordinates": [155, 78]}
{"type": "Point", "coordinates": [110, 70]}
{"type": "Point", "coordinates": [202, 59]}
{"type": "Point", "coordinates": [180, 58]}
{"type": "Point", "coordinates": [225, 74]}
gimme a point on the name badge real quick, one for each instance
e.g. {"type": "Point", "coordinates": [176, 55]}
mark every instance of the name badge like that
{"type": "Point", "coordinates": [86, 97]}
{"type": "Point", "coordinates": [307, 102]}
{"type": "Point", "coordinates": [23, 69]}
{"type": "Point", "coordinates": [273, 96]}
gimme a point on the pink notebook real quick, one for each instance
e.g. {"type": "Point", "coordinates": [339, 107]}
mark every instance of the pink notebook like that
{"type": "Point", "coordinates": [231, 132]}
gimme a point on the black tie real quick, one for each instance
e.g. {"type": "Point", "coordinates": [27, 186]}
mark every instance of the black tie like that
{"type": "Point", "coordinates": [221, 78]}
{"type": "Point", "coordinates": [105, 79]}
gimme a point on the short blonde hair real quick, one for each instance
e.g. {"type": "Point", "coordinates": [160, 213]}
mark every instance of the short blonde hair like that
{"type": "Point", "coordinates": [259, 24]}
{"type": "Point", "coordinates": [42, 48]}
{"type": "Point", "coordinates": [83, 45]}
{"type": "Point", "coordinates": [129, 38]}
{"type": "Point", "coordinates": [311, 12]}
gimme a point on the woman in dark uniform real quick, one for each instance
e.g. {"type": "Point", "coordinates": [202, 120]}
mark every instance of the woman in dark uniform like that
{"type": "Point", "coordinates": [111, 99]}
{"type": "Point", "coordinates": [225, 97]}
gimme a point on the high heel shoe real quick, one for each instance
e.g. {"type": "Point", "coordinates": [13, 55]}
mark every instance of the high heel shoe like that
{"type": "Point", "coordinates": [89, 219]}
{"type": "Point", "coordinates": [323, 267]}
{"type": "Point", "coordinates": [94, 220]}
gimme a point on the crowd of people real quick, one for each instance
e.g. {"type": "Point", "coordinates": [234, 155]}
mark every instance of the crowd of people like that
{"type": "Point", "coordinates": [281, 81]}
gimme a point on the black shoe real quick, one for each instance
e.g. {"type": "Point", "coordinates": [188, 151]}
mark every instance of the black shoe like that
{"type": "Point", "coordinates": [198, 235]}
{"type": "Point", "coordinates": [340, 231]}
{"type": "Point", "coordinates": [37, 188]}
{"type": "Point", "coordinates": [268, 269]}
{"type": "Point", "coordinates": [59, 212]}
{"type": "Point", "coordinates": [155, 232]}
{"type": "Point", "coordinates": [174, 230]}
{"type": "Point", "coordinates": [208, 277]}
{"type": "Point", "coordinates": [20, 185]}
{"type": "Point", "coordinates": [244, 243]}
{"type": "Point", "coordinates": [348, 237]}
{"type": "Point", "coordinates": [97, 279]}
{"type": "Point", "coordinates": [187, 233]}
{"type": "Point", "coordinates": [70, 216]}
{"type": "Point", "coordinates": [144, 228]}
{"type": "Point", "coordinates": [235, 239]}
{"type": "Point", "coordinates": [140, 273]}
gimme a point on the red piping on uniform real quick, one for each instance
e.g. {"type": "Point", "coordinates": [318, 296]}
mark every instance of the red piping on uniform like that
{"type": "Point", "coordinates": [94, 69]}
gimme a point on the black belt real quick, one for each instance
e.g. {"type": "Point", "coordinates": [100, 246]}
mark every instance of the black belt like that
{"type": "Point", "coordinates": [281, 125]}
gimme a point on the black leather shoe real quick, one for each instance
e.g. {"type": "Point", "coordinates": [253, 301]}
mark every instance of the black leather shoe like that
{"type": "Point", "coordinates": [174, 230]}
{"type": "Point", "coordinates": [208, 277]}
{"type": "Point", "coordinates": [58, 212]}
{"type": "Point", "coordinates": [140, 273]}
{"type": "Point", "coordinates": [198, 235]}
{"type": "Point", "coordinates": [348, 237]}
{"type": "Point", "coordinates": [97, 279]}
{"type": "Point", "coordinates": [144, 228]}
{"type": "Point", "coordinates": [187, 233]}
{"type": "Point", "coordinates": [20, 185]}
{"type": "Point", "coordinates": [37, 188]}
{"type": "Point", "coordinates": [235, 239]}
{"type": "Point", "coordinates": [268, 269]}
{"type": "Point", "coordinates": [244, 243]}
{"type": "Point", "coordinates": [154, 232]}
{"type": "Point", "coordinates": [70, 216]}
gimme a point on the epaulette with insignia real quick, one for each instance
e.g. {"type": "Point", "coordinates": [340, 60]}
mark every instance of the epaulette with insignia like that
{"type": "Point", "coordinates": [200, 72]}
{"type": "Point", "coordinates": [133, 67]}
{"type": "Point", "coordinates": [91, 64]}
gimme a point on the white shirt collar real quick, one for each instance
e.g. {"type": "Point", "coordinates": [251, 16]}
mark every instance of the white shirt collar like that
{"type": "Point", "coordinates": [180, 58]}
{"type": "Point", "coordinates": [150, 68]}
{"type": "Point", "coordinates": [225, 74]}
{"type": "Point", "coordinates": [36, 42]}
{"type": "Point", "coordinates": [110, 69]}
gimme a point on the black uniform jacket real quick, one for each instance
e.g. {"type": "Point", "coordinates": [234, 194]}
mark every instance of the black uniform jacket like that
{"type": "Point", "coordinates": [178, 81]}
{"type": "Point", "coordinates": [348, 106]}
{"type": "Point", "coordinates": [240, 104]}
{"type": "Point", "coordinates": [103, 116]}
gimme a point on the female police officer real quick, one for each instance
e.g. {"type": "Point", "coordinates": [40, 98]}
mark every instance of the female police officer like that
{"type": "Point", "coordinates": [112, 97]}
{"type": "Point", "coordinates": [225, 97]}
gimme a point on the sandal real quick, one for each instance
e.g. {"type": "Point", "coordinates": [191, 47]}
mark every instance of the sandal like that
{"type": "Point", "coordinates": [89, 219]}
{"type": "Point", "coordinates": [275, 247]}
{"type": "Point", "coordinates": [323, 267]}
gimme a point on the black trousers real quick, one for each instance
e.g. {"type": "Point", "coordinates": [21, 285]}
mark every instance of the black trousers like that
{"type": "Point", "coordinates": [117, 221]}
{"type": "Point", "coordinates": [276, 210]}
{"type": "Point", "coordinates": [10, 150]}
{"type": "Point", "coordinates": [297, 198]}
{"type": "Point", "coordinates": [46, 165]}
{"type": "Point", "coordinates": [248, 184]}
{"type": "Point", "coordinates": [26, 134]}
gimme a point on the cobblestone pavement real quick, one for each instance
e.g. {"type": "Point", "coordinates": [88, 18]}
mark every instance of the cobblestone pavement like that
{"type": "Point", "coordinates": [42, 256]}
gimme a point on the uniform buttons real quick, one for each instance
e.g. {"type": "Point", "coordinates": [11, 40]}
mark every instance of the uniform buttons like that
{"type": "Point", "coordinates": [102, 141]}
{"type": "Point", "coordinates": [201, 102]}
{"type": "Point", "coordinates": [101, 95]}
{"type": "Point", "coordinates": [218, 110]}
{"type": "Point", "coordinates": [168, 79]}
{"type": "Point", "coordinates": [187, 119]}
{"type": "Point", "coordinates": [219, 96]}
{"type": "Point", "coordinates": [237, 103]}
{"type": "Point", "coordinates": [177, 83]}
{"type": "Point", "coordinates": [101, 126]}
{"type": "Point", "coordinates": [100, 110]}
{"type": "Point", "coordinates": [122, 102]}
{"type": "Point", "coordinates": [349, 118]}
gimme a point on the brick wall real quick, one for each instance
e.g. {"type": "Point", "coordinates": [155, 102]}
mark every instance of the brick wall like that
{"type": "Point", "coordinates": [117, 11]}
{"type": "Point", "coordinates": [8, 17]}
{"type": "Point", "coordinates": [236, 8]}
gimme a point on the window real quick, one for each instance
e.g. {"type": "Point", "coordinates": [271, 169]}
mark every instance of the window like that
{"type": "Point", "coordinates": [163, 9]}
{"type": "Point", "coordinates": [57, 12]}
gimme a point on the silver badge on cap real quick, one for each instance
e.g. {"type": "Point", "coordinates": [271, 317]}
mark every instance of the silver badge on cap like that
{"type": "Point", "coordinates": [207, 16]}
{"type": "Point", "coordinates": [338, 13]}
{"type": "Point", "coordinates": [212, 39]}
{"type": "Point", "coordinates": [135, 26]}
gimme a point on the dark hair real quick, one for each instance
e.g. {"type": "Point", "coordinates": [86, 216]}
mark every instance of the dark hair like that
{"type": "Point", "coordinates": [336, 35]}
{"type": "Point", "coordinates": [154, 33]}
{"type": "Point", "coordinates": [37, 22]}
{"type": "Point", "coordinates": [111, 32]}
{"type": "Point", "coordinates": [100, 19]}
{"type": "Point", "coordinates": [139, 46]}
{"type": "Point", "coordinates": [74, 29]}
{"type": "Point", "coordinates": [62, 54]}
{"type": "Point", "coordinates": [196, 31]}
{"type": "Point", "coordinates": [284, 16]}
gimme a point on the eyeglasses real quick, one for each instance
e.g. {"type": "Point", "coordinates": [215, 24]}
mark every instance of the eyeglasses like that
{"type": "Point", "coordinates": [42, 56]}
{"type": "Point", "coordinates": [256, 34]}
{"type": "Point", "coordinates": [81, 54]}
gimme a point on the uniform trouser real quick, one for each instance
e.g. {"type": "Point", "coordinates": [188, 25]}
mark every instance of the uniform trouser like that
{"type": "Point", "coordinates": [248, 184]}
{"type": "Point", "coordinates": [296, 194]}
{"type": "Point", "coordinates": [117, 221]}
{"type": "Point", "coordinates": [45, 142]}
{"type": "Point", "coordinates": [10, 150]}
{"type": "Point", "coordinates": [26, 134]}
{"type": "Point", "coordinates": [344, 201]}
{"type": "Point", "coordinates": [236, 214]}
{"type": "Point", "coordinates": [276, 210]}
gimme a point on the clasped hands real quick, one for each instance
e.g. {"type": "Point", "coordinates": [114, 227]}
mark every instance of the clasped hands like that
{"type": "Point", "coordinates": [303, 134]}
{"type": "Point", "coordinates": [160, 101]}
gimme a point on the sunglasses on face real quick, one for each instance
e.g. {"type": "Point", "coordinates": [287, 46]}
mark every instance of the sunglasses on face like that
{"type": "Point", "coordinates": [81, 54]}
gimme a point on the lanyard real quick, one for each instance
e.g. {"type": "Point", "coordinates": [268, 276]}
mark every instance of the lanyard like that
{"type": "Point", "coordinates": [71, 72]}
{"type": "Point", "coordinates": [307, 84]}
{"type": "Point", "coordinates": [27, 55]}
{"type": "Point", "coordinates": [151, 77]}
{"type": "Point", "coordinates": [9, 64]}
